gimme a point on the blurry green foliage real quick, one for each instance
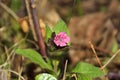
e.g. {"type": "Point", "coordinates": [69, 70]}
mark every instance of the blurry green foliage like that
{"type": "Point", "coordinates": [103, 9]}
{"type": "Point", "coordinates": [114, 47]}
{"type": "Point", "coordinates": [15, 5]}
{"type": "Point", "coordinates": [79, 8]}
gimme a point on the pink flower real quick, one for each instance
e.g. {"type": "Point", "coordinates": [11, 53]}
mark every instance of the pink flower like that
{"type": "Point", "coordinates": [61, 39]}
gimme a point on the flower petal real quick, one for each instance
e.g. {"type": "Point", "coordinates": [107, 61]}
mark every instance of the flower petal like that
{"type": "Point", "coordinates": [61, 39]}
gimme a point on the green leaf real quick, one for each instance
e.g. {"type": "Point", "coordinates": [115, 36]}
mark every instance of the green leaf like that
{"type": "Point", "coordinates": [83, 77]}
{"type": "Point", "coordinates": [49, 62]}
{"type": "Point", "coordinates": [45, 76]}
{"type": "Point", "coordinates": [61, 27]}
{"type": "Point", "coordinates": [34, 57]}
{"type": "Point", "coordinates": [87, 71]}
{"type": "Point", "coordinates": [48, 33]}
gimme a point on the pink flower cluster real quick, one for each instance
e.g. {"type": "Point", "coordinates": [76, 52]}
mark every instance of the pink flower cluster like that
{"type": "Point", "coordinates": [61, 39]}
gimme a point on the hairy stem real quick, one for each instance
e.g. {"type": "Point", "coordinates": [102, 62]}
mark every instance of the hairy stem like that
{"type": "Point", "coordinates": [37, 29]}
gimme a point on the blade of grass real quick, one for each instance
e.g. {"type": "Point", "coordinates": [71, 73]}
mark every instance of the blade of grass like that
{"type": "Point", "coordinates": [111, 59]}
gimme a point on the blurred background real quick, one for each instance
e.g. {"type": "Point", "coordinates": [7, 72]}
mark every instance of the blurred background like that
{"type": "Point", "coordinates": [95, 21]}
